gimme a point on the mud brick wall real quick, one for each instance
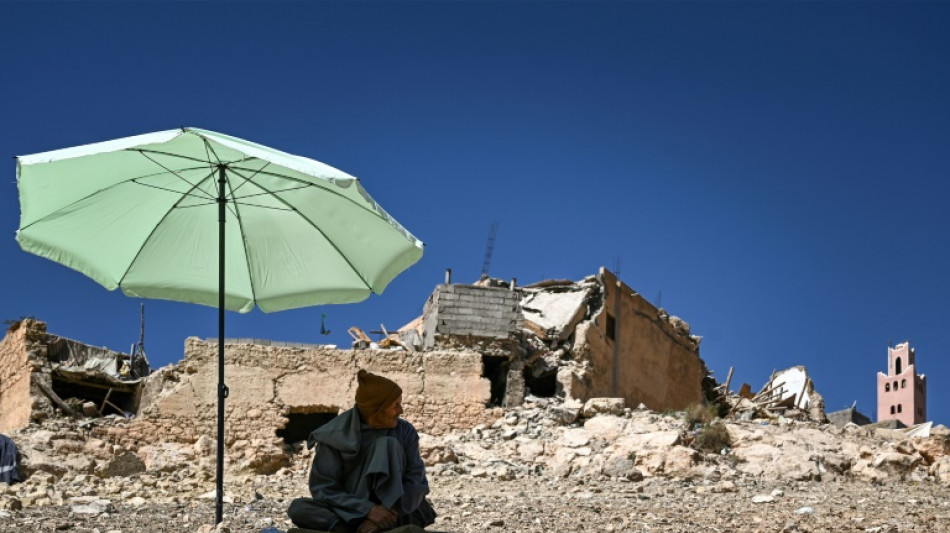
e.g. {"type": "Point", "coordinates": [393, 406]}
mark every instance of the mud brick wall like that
{"type": "Point", "coordinates": [16, 404]}
{"type": "Point", "coordinates": [471, 310]}
{"type": "Point", "coordinates": [441, 390]}
{"type": "Point", "coordinates": [640, 357]}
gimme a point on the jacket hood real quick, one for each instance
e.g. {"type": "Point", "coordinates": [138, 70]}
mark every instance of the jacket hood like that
{"type": "Point", "coordinates": [342, 434]}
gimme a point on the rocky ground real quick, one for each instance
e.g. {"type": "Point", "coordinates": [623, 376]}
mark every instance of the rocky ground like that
{"type": "Point", "coordinates": [542, 467]}
{"type": "Point", "coordinates": [535, 505]}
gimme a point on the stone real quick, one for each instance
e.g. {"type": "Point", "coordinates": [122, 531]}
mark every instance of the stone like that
{"type": "Point", "coordinates": [529, 450]}
{"type": "Point", "coordinates": [896, 463]}
{"type": "Point", "coordinates": [622, 467]}
{"type": "Point", "coordinates": [166, 457]}
{"type": "Point", "coordinates": [123, 465]}
{"type": "Point", "coordinates": [596, 406]}
{"type": "Point", "coordinates": [605, 427]}
{"type": "Point", "coordinates": [679, 460]}
{"type": "Point", "coordinates": [90, 505]}
{"type": "Point", "coordinates": [566, 415]}
{"type": "Point", "coordinates": [210, 495]}
{"type": "Point", "coordinates": [574, 438]}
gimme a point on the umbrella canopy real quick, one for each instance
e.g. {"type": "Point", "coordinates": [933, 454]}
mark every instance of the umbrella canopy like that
{"type": "Point", "coordinates": [141, 213]}
{"type": "Point", "coordinates": [197, 216]}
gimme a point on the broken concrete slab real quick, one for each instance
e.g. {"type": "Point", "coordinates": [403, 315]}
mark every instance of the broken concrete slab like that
{"type": "Point", "coordinates": [554, 315]}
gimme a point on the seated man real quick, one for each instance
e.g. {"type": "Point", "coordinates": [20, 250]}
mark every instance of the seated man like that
{"type": "Point", "coordinates": [367, 475]}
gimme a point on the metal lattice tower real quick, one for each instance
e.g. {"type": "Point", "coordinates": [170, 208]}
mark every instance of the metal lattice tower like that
{"type": "Point", "coordinates": [489, 247]}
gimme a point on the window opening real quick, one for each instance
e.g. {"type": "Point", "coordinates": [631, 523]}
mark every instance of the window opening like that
{"type": "Point", "coordinates": [892, 409]}
{"type": "Point", "coordinates": [887, 387]}
{"type": "Point", "coordinates": [897, 364]}
{"type": "Point", "coordinates": [611, 327]}
{"type": "Point", "coordinates": [898, 408]}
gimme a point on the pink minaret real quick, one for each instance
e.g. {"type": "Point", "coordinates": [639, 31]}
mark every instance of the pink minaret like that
{"type": "Point", "coordinates": [901, 393]}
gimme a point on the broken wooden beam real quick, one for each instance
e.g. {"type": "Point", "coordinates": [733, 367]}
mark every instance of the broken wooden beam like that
{"type": "Point", "coordinates": [56, 399]}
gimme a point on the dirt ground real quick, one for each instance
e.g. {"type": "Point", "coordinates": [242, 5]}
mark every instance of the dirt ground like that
{"type": "Point", "coordinates": [536, 504]}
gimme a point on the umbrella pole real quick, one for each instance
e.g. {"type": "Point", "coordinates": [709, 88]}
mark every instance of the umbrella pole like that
{"type": "Point", "coordinates": [222, 388]}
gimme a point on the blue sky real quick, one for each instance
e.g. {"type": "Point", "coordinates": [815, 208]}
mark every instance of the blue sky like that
{"type": "Point", "coordinates": [774, 173]}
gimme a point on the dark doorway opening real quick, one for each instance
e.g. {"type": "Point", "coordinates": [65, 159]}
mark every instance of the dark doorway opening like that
{"type": "Point", "coordinates": [299, 425]}
{"type": "Point", "coordinates": [541, 383]}
{"type": "Point", "coordinates": [495, 369]}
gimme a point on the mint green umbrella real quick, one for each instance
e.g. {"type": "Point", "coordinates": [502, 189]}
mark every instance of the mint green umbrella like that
{"type": "Point", "coordinates": [173, 214]}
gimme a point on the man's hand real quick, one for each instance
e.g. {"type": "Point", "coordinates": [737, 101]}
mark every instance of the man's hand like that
{"type": "Point", "coordinates": [383, 517]}
{"type": "Point", "coordinates": [368, 526]}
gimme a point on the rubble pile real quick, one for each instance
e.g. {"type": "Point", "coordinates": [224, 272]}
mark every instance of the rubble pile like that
{"type": "Point", "coordinates": [68, 463]}
{"type": "Point", "coordinates": [603, 440]}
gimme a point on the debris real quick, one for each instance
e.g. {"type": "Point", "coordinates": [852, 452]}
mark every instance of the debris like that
{"type": "Point", "coordinates": [361, 340]}
{"type": "Point", "coordinates": [90, 505]}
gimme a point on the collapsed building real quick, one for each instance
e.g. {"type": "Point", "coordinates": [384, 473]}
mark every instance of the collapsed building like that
{"type": "Point", "coordinates": [789, 394]}
{"type": "Point", "coordinates": [576, 340]}
{"type": "Point", "coordinates": [476, 349]}
{"type": "Point", "coordinates": [41, 373]}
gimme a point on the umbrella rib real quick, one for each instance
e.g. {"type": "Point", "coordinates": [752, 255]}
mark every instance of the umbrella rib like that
{"type": "Point", "coordinates": [179, 176]}
{"type": "Point", "coordinates": [312, 224]}
{"type": "Point", "coordinates": [205, 196]}
{"type": "Point", "coordinates": [195, 205]}
{"type": "Point", "coordinates": [376, 209]}
{"type": "Point", "coordinates": [246, 181]}
{"type": "Point", "coordinates": [155, 227]}
{"type": "Point", "coordinates": [305, 184]}
{"type": "Point", "coordinates": [265, 193]}
{"type": "Point", "coordinates": [247, 259]}
{"type": "Point", "coordinates": [189, 158]}
{"type": "Point", "coordinates": [208, 148]}
{"type": "Point", "coordinates": [143, 151]}
{"type": "Point", "coordinates": [264, 206]}
{"type": "Point", "coordinates": [116, 184]}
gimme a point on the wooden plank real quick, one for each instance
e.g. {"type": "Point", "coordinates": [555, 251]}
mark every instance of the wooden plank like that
{"type": "Point", "coordinates": [729, 379]}
{"type": "Point", "coordinates": [105, 401]}
{"type": "Point", "coordinates": [56, 399]}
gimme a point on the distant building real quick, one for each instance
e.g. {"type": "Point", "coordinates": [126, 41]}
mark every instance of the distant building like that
{"type": "Point", "coordinates": [902, 392]}
{"type": "Point", "coordinates": [850, 415]}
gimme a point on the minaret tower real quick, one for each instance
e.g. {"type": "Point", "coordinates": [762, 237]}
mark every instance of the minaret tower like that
{"type": "Point", "coordinates": [902, 392]}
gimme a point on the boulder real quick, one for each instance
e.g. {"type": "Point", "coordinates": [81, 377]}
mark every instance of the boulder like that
{"type": "Point", "coordinates": [605, 427]}
{"type": "Point", "coordinates": [123, 465]}
{"type": "Point", "coordinates": [597, 406]}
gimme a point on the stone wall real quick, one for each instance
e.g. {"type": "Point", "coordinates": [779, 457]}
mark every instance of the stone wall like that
{"type": "Point", "coordinates": [442, 391]}
{"type": "Point", "coordinates": [638, 354]}
{"type": "Point", "coordinates": [471, 310]}
{"type": "Point", "coordinates": [15, 368]}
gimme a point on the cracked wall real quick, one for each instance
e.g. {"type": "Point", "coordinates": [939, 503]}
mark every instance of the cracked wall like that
{"type": "Point", "coordinates": [15, 367]}
{"type": "Point", "coordinates": [441, 391]}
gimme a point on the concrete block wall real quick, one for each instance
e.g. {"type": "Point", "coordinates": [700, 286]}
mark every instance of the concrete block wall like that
{"type": "Point", "coordinates": [455, 309]}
